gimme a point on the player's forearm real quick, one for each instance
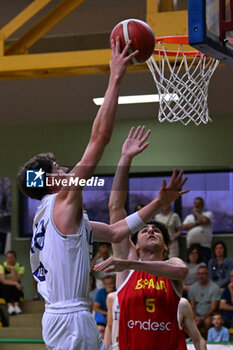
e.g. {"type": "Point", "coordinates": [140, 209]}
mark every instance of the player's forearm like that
{"type": "Point", "coordinates": [200, 344]}
{"type": "Point", "coordinates": [160, 268]}
{"type": "Point", "coordinates": [149, 211]}
{"type": "Point", "coordinates": [107, 336]}
{"type": "Point", "coordinates": [104, 121]}
{"type": "Point", "coordinates": [120, 185]}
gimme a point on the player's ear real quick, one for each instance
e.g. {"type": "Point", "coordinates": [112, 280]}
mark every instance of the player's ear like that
{"type": "Point", "coordinates": [165, 252]}
{"type": "Point", "coordinates": [137, 248]}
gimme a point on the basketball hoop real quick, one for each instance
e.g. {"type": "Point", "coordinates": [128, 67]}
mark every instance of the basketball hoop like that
{"type": "Point", "coordinates": [183, 95]}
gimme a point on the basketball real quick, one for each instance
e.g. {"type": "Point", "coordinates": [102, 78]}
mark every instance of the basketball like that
{"type": "Point", "coordinates": [141, 35]}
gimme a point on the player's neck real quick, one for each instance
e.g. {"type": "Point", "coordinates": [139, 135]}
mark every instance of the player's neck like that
{"type": "Point", "coordinates": [149, 255]}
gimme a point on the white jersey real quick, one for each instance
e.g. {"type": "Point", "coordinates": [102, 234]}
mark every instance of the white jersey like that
{"type": "Point", "coordinates": [115, 323]}
{"type": "Point", "coordinates": [61, 263]}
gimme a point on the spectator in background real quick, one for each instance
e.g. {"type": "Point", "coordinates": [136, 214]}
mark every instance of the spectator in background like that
{"type": "Point", "coordinates": [173, 224]}
{"type": "Point", "coordinates": [199, 226]}
{"type": "Point", "coordinates": [226, 303]}
{"type": "Point", "coordinates": [93, 289]}
{"type": "Point", "coordinates": [204, 296]}
{"type": "Point", "coordinates": [218, 333]}
{"type": "Point", "coordinates": [221, 266]}
{"type": "Point", "coordinates": [104, 252]}
{"type": "Point", "coordinates": [138, 207]}
{"type": "Point", "coordinates": [11, 273]}
{"type": "Point", "coordinates": [100, 306]}
{"type": "Point", "coordinates": [194, 261]}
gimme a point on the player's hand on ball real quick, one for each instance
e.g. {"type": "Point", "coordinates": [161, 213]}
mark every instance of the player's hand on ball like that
{"type": "Point", "coordinates": [120, 60]}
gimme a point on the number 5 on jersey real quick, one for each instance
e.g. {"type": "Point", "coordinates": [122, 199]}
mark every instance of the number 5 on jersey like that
{"type": "Point", "coordinates": [150, 304]}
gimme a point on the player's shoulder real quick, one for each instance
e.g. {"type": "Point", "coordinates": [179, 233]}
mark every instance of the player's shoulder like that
{"type": "Point", "coordinates": [184, 306]}
{"type": "Point", "coordinates": [111, 296]}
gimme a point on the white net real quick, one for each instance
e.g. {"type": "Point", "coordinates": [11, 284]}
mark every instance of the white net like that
{"type": "Point", "coordinates": [182, 85]}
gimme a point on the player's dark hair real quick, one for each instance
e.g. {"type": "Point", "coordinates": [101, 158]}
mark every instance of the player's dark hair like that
{"type": "Point", "coordinates": [160, 226]}
{"type": "Point", "coordinates": [42, 161]}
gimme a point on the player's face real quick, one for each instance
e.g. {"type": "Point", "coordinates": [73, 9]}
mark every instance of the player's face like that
{"type": "Point", "coordinates": [150, 235]}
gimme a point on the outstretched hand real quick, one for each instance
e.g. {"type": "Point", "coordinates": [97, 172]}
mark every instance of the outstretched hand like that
{"type": "Point", "coordinates": [120, 60]}
{"type": "Point", "coordinates": [111, 264]}
{"type": "Point", "coordinates": [135, 142]}
{"type": "Point", "coordinates": [169, 193]}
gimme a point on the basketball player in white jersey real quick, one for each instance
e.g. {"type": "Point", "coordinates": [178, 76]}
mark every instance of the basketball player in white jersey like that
{"type": "Point", "coordinates": [112, 327]}
{"type": "Point", "coordinates": [62, 235]}
{"type": "Point", "coordinates": [185, 315]}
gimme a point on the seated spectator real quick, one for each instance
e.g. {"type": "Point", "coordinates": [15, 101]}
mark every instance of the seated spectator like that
{"type": "Point", "coordinates": [199, 226]}
{"type": "Point", "coordinates": [194, 261]}
{"type": "Point", "coordinates": [93, 289]}
{"type": "Point", "coordinates": [226, 303]}
{"type": "Point", "coordinates": [204, 296]}
{"type": "Point", "coordinates": [11, 273]}
{"type": "Point", "coordinates": [100, 306]}
{"type": "Point", "coordinates": [221, 265]}
{"type": "Point", "coordinates": [218, 333]}
{"type": "Point", "coordinates": [173, 223]}
{"type": "Point", "coordinates": [104, 252]}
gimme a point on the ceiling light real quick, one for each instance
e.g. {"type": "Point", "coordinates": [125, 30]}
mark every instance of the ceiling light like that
{"type": "Point", "coordinates": [138, 99]}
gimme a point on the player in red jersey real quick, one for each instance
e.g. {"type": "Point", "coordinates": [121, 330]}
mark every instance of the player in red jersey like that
{"type": "Point", "coordinates": [149, 289]}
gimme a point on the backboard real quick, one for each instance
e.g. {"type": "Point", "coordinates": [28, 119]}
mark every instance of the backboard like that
{"type": "Point", "coordinates": [210, 25]}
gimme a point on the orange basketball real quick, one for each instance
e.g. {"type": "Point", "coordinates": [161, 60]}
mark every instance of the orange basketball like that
{"type": "Point", "coordinates": [141, 35]}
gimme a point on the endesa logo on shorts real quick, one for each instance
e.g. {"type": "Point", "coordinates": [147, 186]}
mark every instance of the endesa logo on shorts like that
{"type": "Point", "coordinates": [150, 326]}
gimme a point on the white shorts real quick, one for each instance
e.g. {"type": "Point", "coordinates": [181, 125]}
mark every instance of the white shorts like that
{"type": "Point", "coordinates": [71, 331]}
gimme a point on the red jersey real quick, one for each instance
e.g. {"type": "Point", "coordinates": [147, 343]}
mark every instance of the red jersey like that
{"type": "Point", "coordinates": [148, 314]}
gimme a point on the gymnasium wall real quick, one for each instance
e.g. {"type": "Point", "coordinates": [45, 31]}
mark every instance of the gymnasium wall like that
{"type": "Point", "coordinates": [170, 145]}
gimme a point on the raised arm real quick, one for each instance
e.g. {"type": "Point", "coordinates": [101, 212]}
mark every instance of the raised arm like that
{"type": "Point", "coordinates": [70, 201]}
{"type": "Point", "coordinates": [133, 145]}
{"type": "Point", "coordinates": [120, 230]}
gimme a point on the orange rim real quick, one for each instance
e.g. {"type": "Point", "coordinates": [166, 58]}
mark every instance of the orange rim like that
{"type": "Point", "coordinates": [175, 39]}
